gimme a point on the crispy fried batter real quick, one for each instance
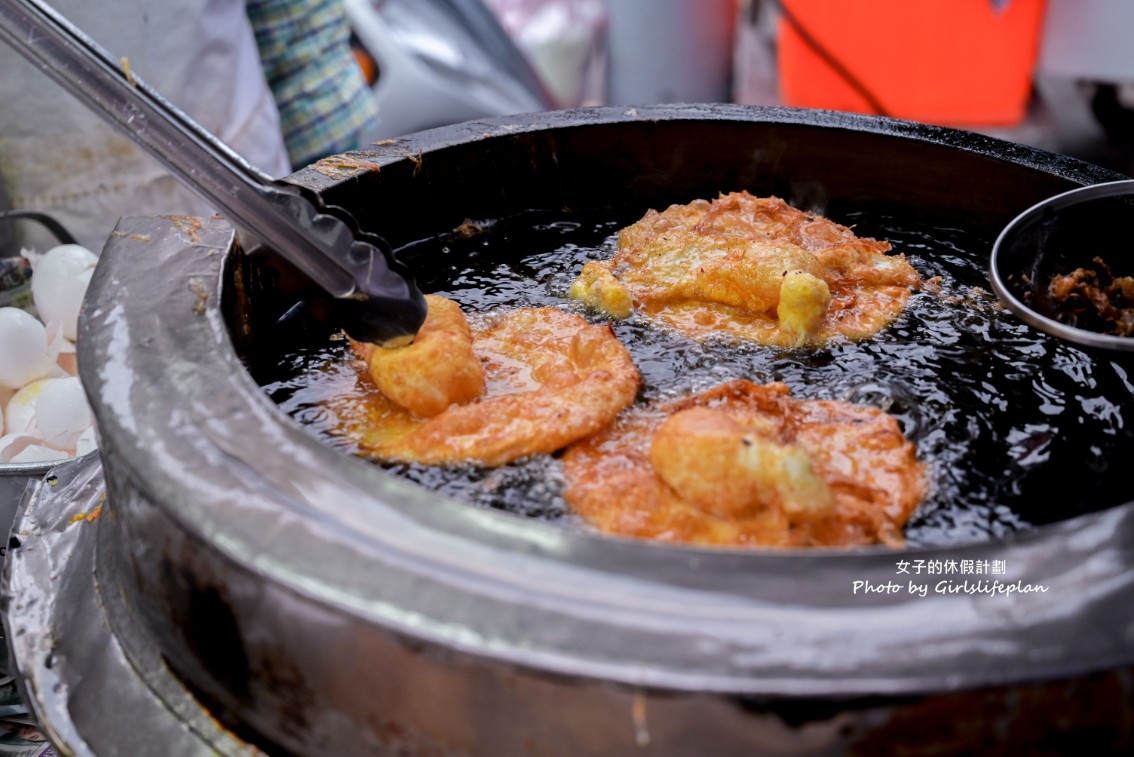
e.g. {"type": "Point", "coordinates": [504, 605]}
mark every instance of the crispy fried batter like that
{"type": "Point", "coordinates": [745, 464]}
{"type": "Point", "coordinates": [713, 462]}
{"type": "Point", "coordinates": [550, 378]}
{"type": "Point", "coordinates": [438, 370]}
{"type": "Point", "coordinates": [754, 267]}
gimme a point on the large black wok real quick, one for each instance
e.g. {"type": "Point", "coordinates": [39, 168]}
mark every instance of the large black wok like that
{"type": "Point", "coordinates": [317, 604]}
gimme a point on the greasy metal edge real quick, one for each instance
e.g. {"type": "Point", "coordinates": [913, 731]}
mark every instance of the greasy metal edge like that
{"type": "Point", "coordinates": [15, 478]}
{"type": "Point", "coordinates": [28, 470]}
{"type": "Point", "coordinates": [1027, 314]}
{"type": "Point", "coordinates": [90, 697]}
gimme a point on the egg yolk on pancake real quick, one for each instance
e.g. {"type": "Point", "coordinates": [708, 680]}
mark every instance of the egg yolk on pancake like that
{"type": "Point", "coordinates": [751, 266]}
{"type": "Point", "coordinates": [745, 464]}
{"type": "Point", "coordinates": [513, 384]}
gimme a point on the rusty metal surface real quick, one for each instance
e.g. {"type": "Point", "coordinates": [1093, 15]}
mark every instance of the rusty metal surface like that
{"type": "Point", "coordinates": [325, 607]}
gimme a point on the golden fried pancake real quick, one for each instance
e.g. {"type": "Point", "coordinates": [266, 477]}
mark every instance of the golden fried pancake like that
{"type": "Point", "coordinates": [437, 370]}
{"type": "Point", "coordinates": [520, 383]}
{"type": "Point", "coordinates": [745, 464]}
{"type": "Point", "coordinates": [750, 266]}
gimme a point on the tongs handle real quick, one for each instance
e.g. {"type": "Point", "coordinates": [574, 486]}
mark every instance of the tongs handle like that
{"type": "Point", "coordinates": [377, 297]}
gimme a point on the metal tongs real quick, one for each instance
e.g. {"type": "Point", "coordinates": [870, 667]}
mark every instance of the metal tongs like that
{"type": "Point", "coordinates": [376, 297]}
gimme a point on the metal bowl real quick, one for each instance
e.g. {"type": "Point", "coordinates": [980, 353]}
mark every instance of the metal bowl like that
{"type": "Point", "coordinates": [1056, 236]}
{"type": "Point", "coordinates": [311, 603]}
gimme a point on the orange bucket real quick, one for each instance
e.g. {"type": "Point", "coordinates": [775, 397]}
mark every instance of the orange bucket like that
{"type": "Point", "coordinates": [950, 62]}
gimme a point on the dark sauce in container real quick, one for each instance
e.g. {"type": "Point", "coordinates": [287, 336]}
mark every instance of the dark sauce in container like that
{"type": "Point", "coordinates": [1018, 428]}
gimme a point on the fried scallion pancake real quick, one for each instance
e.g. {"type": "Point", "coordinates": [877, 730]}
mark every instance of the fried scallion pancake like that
{"type": "Point", "coordinates": [520, 383]}
{"type": "Point", "coordinates": [746, 464]}
{"type": "Point", "coordinates": [751, 266]}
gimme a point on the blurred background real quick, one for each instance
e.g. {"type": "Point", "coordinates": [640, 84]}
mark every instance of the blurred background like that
{"type": "Point", "coordinates": [1055, 74]}
{"type": "Point", "coordinates": [277, 80]}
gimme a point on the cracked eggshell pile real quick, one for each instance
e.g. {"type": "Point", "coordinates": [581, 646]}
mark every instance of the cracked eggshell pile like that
{"type": "Point", "coordinates": [46, 416]}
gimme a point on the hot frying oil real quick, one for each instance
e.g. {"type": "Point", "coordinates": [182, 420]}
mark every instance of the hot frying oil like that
{"type": "Point", "coordinates": [1018, 429]}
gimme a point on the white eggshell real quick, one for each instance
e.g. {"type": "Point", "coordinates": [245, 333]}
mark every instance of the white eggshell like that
{"type": "Point", "coordinates": [37, 453]}
{"type": "Point", "coordinates": [62, 412]}
{"type": "Point", "coordinates": [13, 444]}
{"type": "Point", "coordinates": [88, 442]}
{"type": "Point", "coordinates": [59, 282]}
{"type": "Point", "coordinates": [26, 350]}
{"type": "Point", "coordinates": [20, 412]}
{"type": "Point", "coordinates": [25, 448]}
{"type": "Point", "coordinates": [30, 255]}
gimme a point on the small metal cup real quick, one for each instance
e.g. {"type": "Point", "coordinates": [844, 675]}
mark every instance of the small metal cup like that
{"type": "Point", "coordinates": [1056, 236]}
